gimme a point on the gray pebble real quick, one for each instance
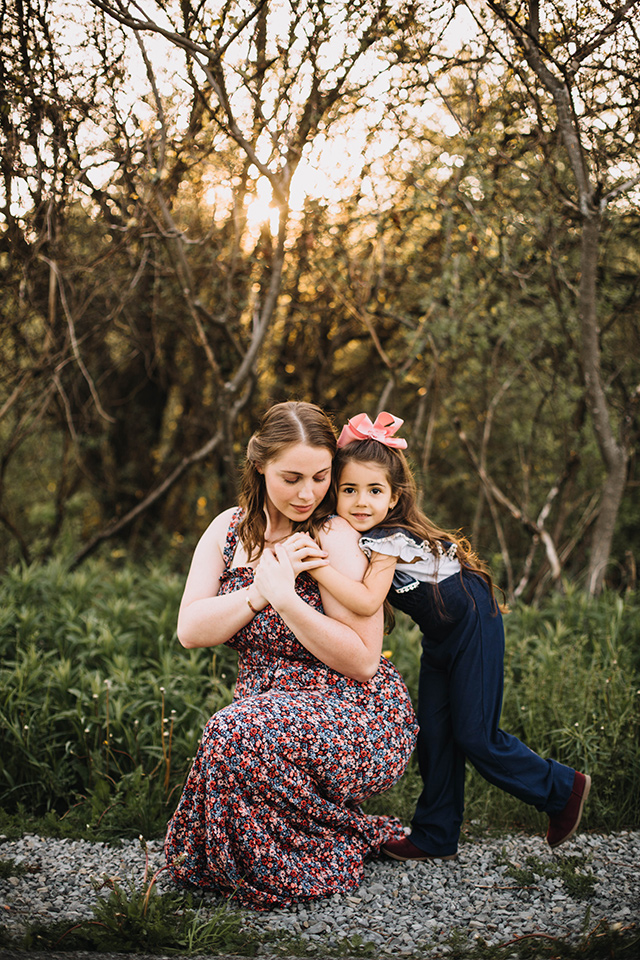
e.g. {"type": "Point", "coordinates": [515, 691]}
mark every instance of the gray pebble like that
{"type": "Point", "coordinates": [401, 908]}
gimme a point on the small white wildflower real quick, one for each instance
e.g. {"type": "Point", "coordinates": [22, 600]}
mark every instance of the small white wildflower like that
{"type": "Point", "coordinates": [162, 690]}
{"type": "Point", "coordinates": [523, 708]}
{"type": "Point", "coordinates": [173, 713]}
{"type": "Point", "coordinates": [95, 696]}
{"type": "Point", "coordinates": [166, 733]}
{"type": "Point", "coordinates": [576, 724]}
{"type": "Point", "coordinates": [26, 726]}
{"type": "Point", "coordinates": [86, 730]}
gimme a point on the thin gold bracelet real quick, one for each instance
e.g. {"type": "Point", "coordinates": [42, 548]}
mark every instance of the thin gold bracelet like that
{"type": "Point", "coordinates": [251, 606]}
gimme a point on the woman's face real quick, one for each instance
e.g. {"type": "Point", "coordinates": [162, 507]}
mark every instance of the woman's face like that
{"type": "Point", "coordinates": [297, 480]}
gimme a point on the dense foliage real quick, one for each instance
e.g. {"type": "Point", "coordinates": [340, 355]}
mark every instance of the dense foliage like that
{"type": "Point", "coordinates": [101, 709]}
{"type": "Point", "coordinates": [432, 208]}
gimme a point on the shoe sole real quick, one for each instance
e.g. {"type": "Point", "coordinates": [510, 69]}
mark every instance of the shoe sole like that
{"type": "Point", "coordinates": [394, 856]}
{"type": "Point", "coordinates": [585, 794]}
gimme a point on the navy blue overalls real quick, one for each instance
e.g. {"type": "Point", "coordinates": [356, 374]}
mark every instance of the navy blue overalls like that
{"type": "Point", "coordinates": [459, 706]}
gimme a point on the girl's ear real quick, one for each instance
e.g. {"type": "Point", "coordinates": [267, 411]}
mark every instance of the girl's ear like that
{"type": "Point", "coordinates": [393, 502]}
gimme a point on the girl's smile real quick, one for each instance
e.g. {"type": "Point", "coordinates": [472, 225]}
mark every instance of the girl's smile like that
{"type": "Point", "coordinates": [364, 495]}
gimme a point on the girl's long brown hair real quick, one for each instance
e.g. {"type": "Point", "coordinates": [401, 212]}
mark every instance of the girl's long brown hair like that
{"type": "Point", "coordinates": [282, 425]}
{"type": "Point", "coordinates": [406, 514]}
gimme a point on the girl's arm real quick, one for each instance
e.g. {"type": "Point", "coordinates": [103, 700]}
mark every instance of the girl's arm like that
{"type": "Point", "coordinates": [204, 618]}
{"type": "Point", "coordinates": [344, 641]}
{"type": "Point", "coordinates": [365, 596]}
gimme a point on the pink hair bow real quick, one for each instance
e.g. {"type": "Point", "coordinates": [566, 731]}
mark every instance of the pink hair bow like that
{"type": "Point", "coordinates": [361, 428]}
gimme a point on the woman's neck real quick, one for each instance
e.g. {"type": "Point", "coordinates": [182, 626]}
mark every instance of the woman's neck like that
{"type": "Point", "coordinates": [278, 526]}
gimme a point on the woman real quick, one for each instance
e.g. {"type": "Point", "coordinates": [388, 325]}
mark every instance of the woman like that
{"type": "Point", "coordinates": [320, 721]}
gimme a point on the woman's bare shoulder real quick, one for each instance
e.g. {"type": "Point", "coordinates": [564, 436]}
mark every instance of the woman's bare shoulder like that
{"type": "Point", "coordinates": [208, 562]}
{"type": "Point", "coordinates": [217, 530]}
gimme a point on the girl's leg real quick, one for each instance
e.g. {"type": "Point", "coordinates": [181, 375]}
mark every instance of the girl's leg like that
{"type": "Point", "coordinates": [476, 686]}
{"type": "Point", "coordinates": [438, 816]}
{"type": "Point", "coordinates": [460, 701]}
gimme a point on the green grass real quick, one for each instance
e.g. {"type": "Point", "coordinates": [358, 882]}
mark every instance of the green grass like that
{"type": "Point", "coordinates": [577, 880]}
{"type": "Point", "coordinates": [9, 868]}
{"type": "Point", "coordinates": [101, 709]}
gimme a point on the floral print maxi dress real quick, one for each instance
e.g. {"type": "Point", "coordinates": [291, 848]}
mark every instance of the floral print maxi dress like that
{"type": "Point", "coordinates": [270, 810]}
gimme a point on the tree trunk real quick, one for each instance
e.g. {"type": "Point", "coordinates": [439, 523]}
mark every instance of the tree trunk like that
{"type": "Point", "coordinates": [614, 455]}
{"type": "Point", "coordinates": [560, 84]}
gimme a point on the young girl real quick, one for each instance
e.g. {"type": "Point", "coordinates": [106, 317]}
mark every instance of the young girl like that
{"type": "Point", "coordinates": [436, 579]}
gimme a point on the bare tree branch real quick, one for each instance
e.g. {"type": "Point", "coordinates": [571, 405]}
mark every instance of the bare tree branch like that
{"type": "Point", "coordinates": [492, 488]}
{"type": "Point", "coordinates": [74, 342]}
{"type": "Point", "coordinates": [119, 12]}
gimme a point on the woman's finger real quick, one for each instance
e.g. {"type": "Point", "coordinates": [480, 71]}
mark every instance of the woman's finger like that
{"type": "Point", "coordinates": [282, 556]}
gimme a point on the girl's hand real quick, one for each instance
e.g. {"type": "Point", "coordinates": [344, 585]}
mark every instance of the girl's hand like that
{"type": "Point", "coordinates": [274, 577]}
{"type": "Point", "coordinates": [304, 553]}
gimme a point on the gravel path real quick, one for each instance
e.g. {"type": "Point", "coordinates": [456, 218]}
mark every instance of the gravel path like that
{"type": "Point", "coordinates": [402, 908]}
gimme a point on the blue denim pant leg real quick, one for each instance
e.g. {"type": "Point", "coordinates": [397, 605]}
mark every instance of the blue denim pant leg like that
{"type": "Point", "coordinates": [459, 706]}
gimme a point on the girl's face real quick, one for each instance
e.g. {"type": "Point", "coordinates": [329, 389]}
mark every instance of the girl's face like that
{"type": "Point", "coordinates": [296, 481]}
{"type": "Point", "coordinates": [364, 495]}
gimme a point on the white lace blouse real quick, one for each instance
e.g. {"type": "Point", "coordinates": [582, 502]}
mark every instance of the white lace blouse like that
{"type": "Point", "coordinates": [416, 562]}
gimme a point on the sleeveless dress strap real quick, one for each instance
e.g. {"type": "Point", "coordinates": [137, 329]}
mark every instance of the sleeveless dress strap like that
{"type": "Point", "coordinates": [231, 541]}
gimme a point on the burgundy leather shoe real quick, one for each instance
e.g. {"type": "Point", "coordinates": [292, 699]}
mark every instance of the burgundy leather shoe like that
{"type": "Point", "coordinates": [405, 850]}
{"type": "Point", "coordinates": [563, 825]}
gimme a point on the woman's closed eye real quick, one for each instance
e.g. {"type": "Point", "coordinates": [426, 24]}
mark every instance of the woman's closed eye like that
{"type": "Point", "coordinates": [294, 480]}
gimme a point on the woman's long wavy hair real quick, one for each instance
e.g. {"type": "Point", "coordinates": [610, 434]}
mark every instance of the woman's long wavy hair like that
{"type": "Point", "coordinates": [406, 514]}
{"type": "Point", "coordinates": [282, 425]}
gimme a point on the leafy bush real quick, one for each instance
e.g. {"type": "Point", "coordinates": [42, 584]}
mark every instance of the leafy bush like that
{"type": "Point", "coordinates": [101, 709]}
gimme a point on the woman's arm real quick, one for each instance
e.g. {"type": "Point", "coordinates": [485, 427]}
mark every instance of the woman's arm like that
{"type": "Point", "coordinates": [346, 642]}
{"type": "Point", "coordinates": [204, 618]}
